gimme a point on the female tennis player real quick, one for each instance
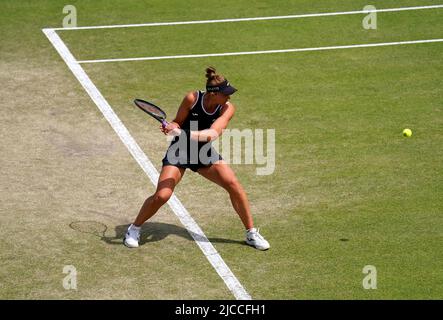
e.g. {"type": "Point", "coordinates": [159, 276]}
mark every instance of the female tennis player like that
{"type": "Point", "coordinates": [200, 119]}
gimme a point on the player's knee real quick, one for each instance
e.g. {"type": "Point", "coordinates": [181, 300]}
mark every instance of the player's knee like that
{"type": "Point", "coordinates": [162, 196]}
{"type": "Point", "coordinates": [232, 185]}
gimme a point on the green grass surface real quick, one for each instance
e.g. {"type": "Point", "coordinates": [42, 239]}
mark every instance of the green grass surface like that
{"type": "Point", "coordinates": [250, 35]}
{"type": "Point", "coordinates": [348, 190]}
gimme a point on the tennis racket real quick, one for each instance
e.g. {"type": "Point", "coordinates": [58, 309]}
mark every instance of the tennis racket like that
{"type": "Point", "coordinates": [154, 111]}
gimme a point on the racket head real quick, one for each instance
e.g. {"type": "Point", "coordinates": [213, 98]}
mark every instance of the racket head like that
{"type": "Point", "coordinates": [153, 110]}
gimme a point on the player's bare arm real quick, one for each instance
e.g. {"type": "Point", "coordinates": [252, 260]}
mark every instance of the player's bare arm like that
{"type": "Point", "coordinates": [217, 127]}
{"type": "Point", "coordinates": [182, 113]}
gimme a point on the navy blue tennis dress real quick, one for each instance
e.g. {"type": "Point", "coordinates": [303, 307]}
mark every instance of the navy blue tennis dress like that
{"type": "Point", "coordinates": [186, 153]}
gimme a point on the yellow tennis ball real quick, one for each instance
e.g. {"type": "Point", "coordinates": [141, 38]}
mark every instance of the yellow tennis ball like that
{"type": "Point", "coordinates": [407, 133]}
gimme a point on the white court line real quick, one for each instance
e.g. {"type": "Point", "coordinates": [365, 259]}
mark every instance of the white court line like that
{"type": "Point", "coordinates": [263, 52]}
{"type": "Point", "coordinates": [297, 16]}
{"type": "Point", "coordinates": [194, 230]}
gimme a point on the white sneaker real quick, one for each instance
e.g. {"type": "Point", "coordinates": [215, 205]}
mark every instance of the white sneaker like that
{"type": "Point", "coordinates": [132, 237]}
{"type": "Point", "coordinates": [255, 239]}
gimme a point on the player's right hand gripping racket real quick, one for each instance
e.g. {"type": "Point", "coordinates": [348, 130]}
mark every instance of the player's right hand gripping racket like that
{"type": "Point", "coordinates": [153, 110]}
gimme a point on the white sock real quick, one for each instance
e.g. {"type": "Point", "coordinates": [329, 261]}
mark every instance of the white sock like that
{"type": "Point", "coordinates": [135, 228]}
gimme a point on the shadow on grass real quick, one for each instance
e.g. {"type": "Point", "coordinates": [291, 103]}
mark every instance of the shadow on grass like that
{"type": "Point", "coordinates": [150, 232]}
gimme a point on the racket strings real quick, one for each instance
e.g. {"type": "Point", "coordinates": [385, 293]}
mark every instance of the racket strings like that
{"type": "Point", "coordinates": [154, 111]}
{"type": "Point", "coordinates": [151, 109]}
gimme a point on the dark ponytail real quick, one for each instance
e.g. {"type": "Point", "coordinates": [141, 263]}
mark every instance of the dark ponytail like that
{"type": "Point", "coordinates": [212, 77]}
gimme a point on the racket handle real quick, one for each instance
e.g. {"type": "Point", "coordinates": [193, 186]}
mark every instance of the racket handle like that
{"type": "Point", "coordinates": [164, 123]}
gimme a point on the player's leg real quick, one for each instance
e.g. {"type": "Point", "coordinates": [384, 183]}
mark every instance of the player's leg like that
{"type": "Point", "coordinates": [224, 176]}
{"type": "Point", "coordinates": [169, 177]}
